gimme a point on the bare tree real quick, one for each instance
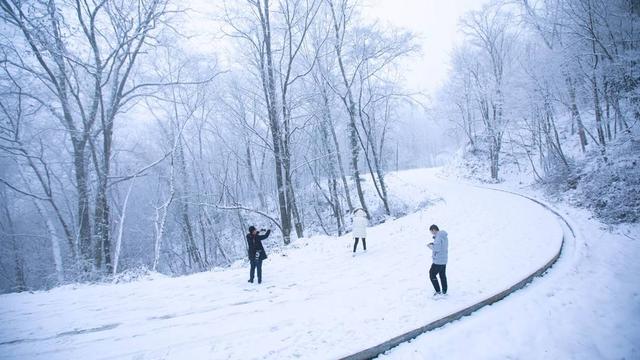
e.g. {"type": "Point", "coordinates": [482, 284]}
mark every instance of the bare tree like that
{"type": "Point", "coordinates": [489, 31]}
{"type": "Point", "coordinates": [277, 76]}
{"type": "Point", "coordinates": [341, 16]}
{"type": "Point", "coordinates": [87, 79]}
{"type": "Point", "coordinates": [18, 262]}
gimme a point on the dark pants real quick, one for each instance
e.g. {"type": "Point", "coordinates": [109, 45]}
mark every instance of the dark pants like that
{"type": "Point", "coordinates": [438, 270]}
{"type": "Point", "coordinates": [355, 244]}
{"type": "Point", "coordinates": [256, 264]}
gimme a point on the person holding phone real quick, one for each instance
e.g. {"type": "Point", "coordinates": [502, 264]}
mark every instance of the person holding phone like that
{"type": "Point", "coordinates": [256, 251]}
{"type": "Point", "coordinates": [440, 248]}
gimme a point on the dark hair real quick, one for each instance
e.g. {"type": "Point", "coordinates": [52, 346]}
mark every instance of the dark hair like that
{"type": "Point", "coordinates": [434, 227]}
{"type": "Point", "coordinates": [252, 229]}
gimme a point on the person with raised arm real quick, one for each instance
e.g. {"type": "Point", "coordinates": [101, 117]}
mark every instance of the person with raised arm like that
{"type": "Point", "coordinates": [256, 251]}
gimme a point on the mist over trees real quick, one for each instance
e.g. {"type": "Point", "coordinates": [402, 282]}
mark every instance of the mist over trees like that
{"type": "Point", "coordinates": [123, 150]}
{"type": "Point", "coordinates": [552, 86]}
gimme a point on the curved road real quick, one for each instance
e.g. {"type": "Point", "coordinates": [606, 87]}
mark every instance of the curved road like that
{"type": "Point", "coordinates": [317, 301]}
{"type": "Point", "coordinates": [568, 235]}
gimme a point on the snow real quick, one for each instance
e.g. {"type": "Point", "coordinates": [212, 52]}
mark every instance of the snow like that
{"type": "Point", "coordinates": [586, 307]}
{"type": "Point", "coordinates": [317, 301]}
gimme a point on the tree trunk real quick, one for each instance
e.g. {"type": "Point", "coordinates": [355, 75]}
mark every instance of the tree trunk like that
{"type": "Point", "coordinates": [598, 111]}
{"type": "Point", "coordinates": [334, 137]}
{"type": "Point", "coordinates": [84, 227]}
{"type": "Point", "coordinates": [297, 220]}
{"type": "Point", "coordinates": [103, 212]}
{"type": "Point", "coordinates": [607, 109]}
{"type": "Point", "coordinates": [337, 208]}
{"type": "Point", "coordinates": [291, 197]}
{"type": "Point", "coordinates": [332, 183]}
{"type": "Point", "coordinates": [51, 229]}
{"type": "Point", "coordinates": [55, 242]}
{"type": "Point", "coordinates": [218, 246]}
{"type": "Point", "coordinates": [269, 88]}
{"type": "Point", "coordinates": [123, 216]}
{"type": "Point", "coordinates": [351, 110]}
{"type": "Point", "coordinates": [594, 87]}
{"type": "Point", "coordinates": [257, 189]}
{"type": "Point", "coordinates": [494, 154]}
{"type": "Point", "coordinates": [575, 113]}
{"type": "Point", "coordinates": [102, 227]}
{"type": "Point", "coordinates": [497, 128]}
{"type": "Point", "coordinates": [160, 224]}
{"type": "Point", "coordinates": [187, 229]}
{"type": "Point", "coordinates": [20, 281]}
{"type": "Point", "coordinates": [620, 118]}
{"type": "Point", "coordinates": [380, 190]}
{"type": "Point", "coordinates": [203, 234]}
{"type": "Point", "coordinates": [383, 186]}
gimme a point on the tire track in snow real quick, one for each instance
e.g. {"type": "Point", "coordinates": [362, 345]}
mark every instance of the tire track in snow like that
{"type": "Point", "coordinates": [63, 334]}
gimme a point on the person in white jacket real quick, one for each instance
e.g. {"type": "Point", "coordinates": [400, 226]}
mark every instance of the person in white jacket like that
{"type": "Point", "coordinates": [360, 224]}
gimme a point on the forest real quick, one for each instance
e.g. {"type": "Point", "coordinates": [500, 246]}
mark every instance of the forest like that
{"type": "Point", "coordinates": [125, 148]}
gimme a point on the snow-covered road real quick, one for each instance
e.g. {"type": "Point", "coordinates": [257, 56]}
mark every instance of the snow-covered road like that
{"type": "Point", "coordinates": [586, 307]}
{"type": "Point", "coordinates": [317, 301]}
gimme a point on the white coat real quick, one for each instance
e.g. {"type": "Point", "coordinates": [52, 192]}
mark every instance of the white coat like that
{"type": "Point", "coordinates": [360, 224]}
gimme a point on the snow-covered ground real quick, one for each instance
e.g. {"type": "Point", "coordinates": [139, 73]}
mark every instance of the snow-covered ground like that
{"type": "Point", "coordinates": [586, 307]}
{"type": "Point", "coordinates": [317, 301]}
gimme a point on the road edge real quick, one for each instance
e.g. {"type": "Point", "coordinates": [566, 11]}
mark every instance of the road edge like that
{"type": "Point", "coordinates": [383, 347]}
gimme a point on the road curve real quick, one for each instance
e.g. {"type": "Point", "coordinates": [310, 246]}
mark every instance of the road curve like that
{"type": "Point", "coordinates": [379, 349]}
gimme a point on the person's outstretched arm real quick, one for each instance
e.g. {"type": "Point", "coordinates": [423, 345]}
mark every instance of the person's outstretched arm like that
{"type": "Point", "coordinates": [262, 237]}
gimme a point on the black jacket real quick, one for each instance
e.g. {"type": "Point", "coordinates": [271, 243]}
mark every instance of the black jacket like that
{"type": "Point", "coordinates": [255, 245]}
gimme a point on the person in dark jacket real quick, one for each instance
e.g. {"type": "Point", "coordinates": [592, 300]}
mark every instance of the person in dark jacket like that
{"type": "Point", "coordinates": [256, 251]}
{"type": "Point", "coordinates": [440, 248]}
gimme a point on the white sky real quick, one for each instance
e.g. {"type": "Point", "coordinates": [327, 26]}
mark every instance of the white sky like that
{"type": "Point", "coordinates": [435, 22]}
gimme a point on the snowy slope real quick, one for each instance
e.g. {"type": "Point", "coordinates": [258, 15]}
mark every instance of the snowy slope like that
{"type": "Point", "coordinates": [316, 301]}
{"type": "Point", "coordinates": [586, 307]}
